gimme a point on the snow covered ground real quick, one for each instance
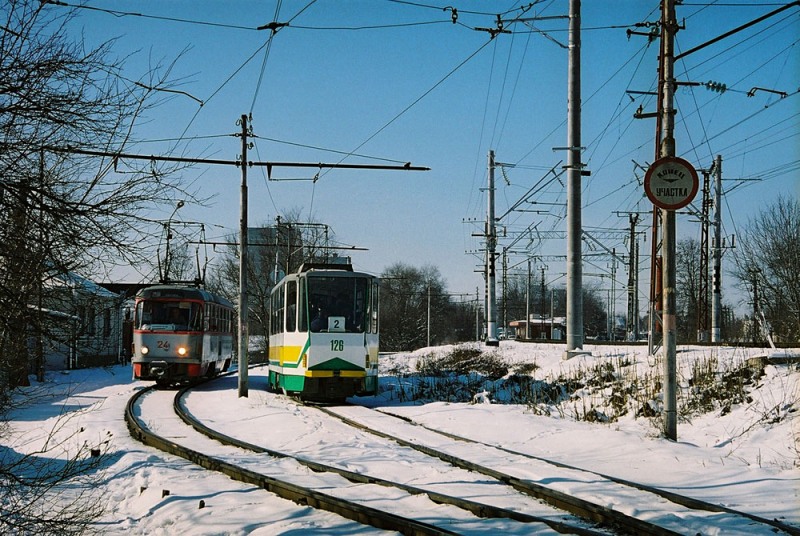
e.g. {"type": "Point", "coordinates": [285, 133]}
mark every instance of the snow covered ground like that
{"type": "Point", "coordinates": [743, 454]}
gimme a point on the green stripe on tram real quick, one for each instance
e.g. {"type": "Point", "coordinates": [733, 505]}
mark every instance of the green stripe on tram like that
{"type": "Point", "coordinates": [336, 364]}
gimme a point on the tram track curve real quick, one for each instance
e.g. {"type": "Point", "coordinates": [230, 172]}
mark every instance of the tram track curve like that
{"type": "Point", "coordinates": [358, 512]}
{"type": "Point", "coordinates": [284, 489]}
{"type": "Point", "coordinates": [478, 509]}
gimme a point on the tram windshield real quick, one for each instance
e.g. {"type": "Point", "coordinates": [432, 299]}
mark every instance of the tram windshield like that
{"type": "Point", "coordinates": [336, 304]}
{"type": "Point", "coordinates": [169, 315]}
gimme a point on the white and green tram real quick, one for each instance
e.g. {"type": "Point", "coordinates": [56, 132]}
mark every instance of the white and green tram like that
{"type": "Point", "coordinates": [323, 333]}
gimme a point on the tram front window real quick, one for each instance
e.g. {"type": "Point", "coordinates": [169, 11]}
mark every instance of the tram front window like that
{"type": "Point", "coordinates": [337, 304]}
{"type": "Point", "coordinates": [168, 315]}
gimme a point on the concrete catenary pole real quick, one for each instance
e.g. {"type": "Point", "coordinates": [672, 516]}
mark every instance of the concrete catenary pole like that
{"type": "Point", "coordinates": [574, 166]}
{"type": "Point", "coordinates": [669, 28]}
{"type": "Point", "coordinates": [491, 247]}
{"type": "Point", "coordinates": [716, 301]}
{"type": "Point", "coordinates": [243, 305]}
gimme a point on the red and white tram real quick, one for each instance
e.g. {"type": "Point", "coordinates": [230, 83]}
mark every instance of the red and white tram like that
{"type": "Point", "coordinates": [181, 334]}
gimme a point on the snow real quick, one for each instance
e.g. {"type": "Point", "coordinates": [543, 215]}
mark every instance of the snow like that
{"type": "Point", "coordinates": [745, 456]}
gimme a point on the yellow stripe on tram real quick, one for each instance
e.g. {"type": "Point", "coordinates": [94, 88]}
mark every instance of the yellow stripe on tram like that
{"type": "Point", "coordinates": [289, 355]}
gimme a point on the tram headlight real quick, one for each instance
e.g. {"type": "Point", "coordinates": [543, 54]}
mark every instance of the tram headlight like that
{"type": "Point", "coordinates": [182, 351]}
{"type": "Point", "coordinates": [145, 350]}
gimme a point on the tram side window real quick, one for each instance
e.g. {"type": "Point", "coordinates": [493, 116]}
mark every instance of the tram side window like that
{"type": "Point", "coordinates": [373, 309]}
{"type": "Point", "coordinates": [197, 317]}
{"type": "Point", "coordinates": [291, 306]}
{"type": "Point", "coordinates": [303, 306]}
{"type": "Point", "coordinates": [277, 310]}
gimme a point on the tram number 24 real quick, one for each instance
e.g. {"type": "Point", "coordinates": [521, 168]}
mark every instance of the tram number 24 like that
{"type": "Point", "coordinates": [337, 345]}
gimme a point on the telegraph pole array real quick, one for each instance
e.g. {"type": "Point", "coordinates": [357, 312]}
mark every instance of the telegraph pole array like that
{"type": "Point", "coordinates": [663, 269]}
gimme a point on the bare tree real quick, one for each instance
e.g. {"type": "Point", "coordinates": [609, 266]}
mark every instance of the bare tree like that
{"type": "Point", "coordinates": [405, 294]}
{"type": "Point", "coordinates": [44, 494]}
{"type": "Point", "coordinates": [687, 261]}
{"type": "Point", "coordinates": [768, 266]}
{"type": "Point", "coordinates": [63, 211]}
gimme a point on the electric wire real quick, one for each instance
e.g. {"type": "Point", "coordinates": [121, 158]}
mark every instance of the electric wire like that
{"type": "Point", "coordinates": [266, 55]}
{"type": "Point", "coordinates": [372, 26]}
{"type": "Point", "coordinates": [502, 91]}
{"type": "Point", "coordinates": [119, 14]}
{"type": "Point", "coordinates": [514, 90]}
{"type": "Point", "coordinates": [727, 51]}
{"type": "Point", "coordinates": [443, 8]}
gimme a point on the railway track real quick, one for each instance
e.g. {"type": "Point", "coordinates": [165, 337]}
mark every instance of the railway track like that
{"type": "Point", "coordinates": [513, 520]}
{"type": "Point", "coordinates": [472, 512]}
{"type": "Point", "coordinates": [683, 500]}
{"type": "Point", "coordinates": [282, 488]}
{"type": "Point", "coordinates": [710, 515]}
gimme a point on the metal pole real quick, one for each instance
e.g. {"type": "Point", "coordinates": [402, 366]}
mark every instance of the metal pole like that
{"type": "Point", "coordinates": [491, 245]}
{"type": "Point", "coordinates": [703, 306]}
{"type": "Point", "coordinates": [716, 302]}
{"type": "Point", "coordinates": [504, 323]}
{"type": "Point", "coordinates": [544, 306]}
{"type": "Point", "coordinates": [633, 311]}
{"type": "Point", "coordinates": [613, 299]}
{"type": "Point", "coordinates": [528, 305]}
{"type": "Point", "coordinates": [574, 266]}
{"type": "Point", "coordinates": [636, 291]}
{"type": "Point", "coordinates": [477, 316]}
{"type": "Point", "coordinates": [429, 314]}
{"type": "Point", "coordinates": [670, 27]}
{"type": "Point", "coordinates": [243, 306]}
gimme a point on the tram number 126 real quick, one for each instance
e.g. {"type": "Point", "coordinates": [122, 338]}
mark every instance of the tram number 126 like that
{"type": "Point", "coordinates": [337, 345]}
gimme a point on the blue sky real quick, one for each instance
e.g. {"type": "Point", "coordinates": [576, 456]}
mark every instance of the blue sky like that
{"type": "Point", "coordinates": [400, 81]}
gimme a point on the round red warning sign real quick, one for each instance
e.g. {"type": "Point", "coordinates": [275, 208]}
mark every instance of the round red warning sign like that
{"type": "Point", "coordinates": [671, 183]}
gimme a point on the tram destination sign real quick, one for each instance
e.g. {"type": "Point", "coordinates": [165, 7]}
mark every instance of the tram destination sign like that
{"type": "Point", "coordinates": [671, 183]}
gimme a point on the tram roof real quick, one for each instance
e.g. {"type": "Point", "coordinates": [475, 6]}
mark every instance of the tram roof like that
{"type": "Point", "coordinates": [309, 266]}
{"type": "Point", "coordinates": [326, 270]}
{"type": "Point", "coordinates": [178, 291]}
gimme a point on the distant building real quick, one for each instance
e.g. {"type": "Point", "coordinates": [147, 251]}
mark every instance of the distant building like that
{"type": "Point", "coordinates": [547, 329]}
{"type": "Point", "coordinates": [274, 249]}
